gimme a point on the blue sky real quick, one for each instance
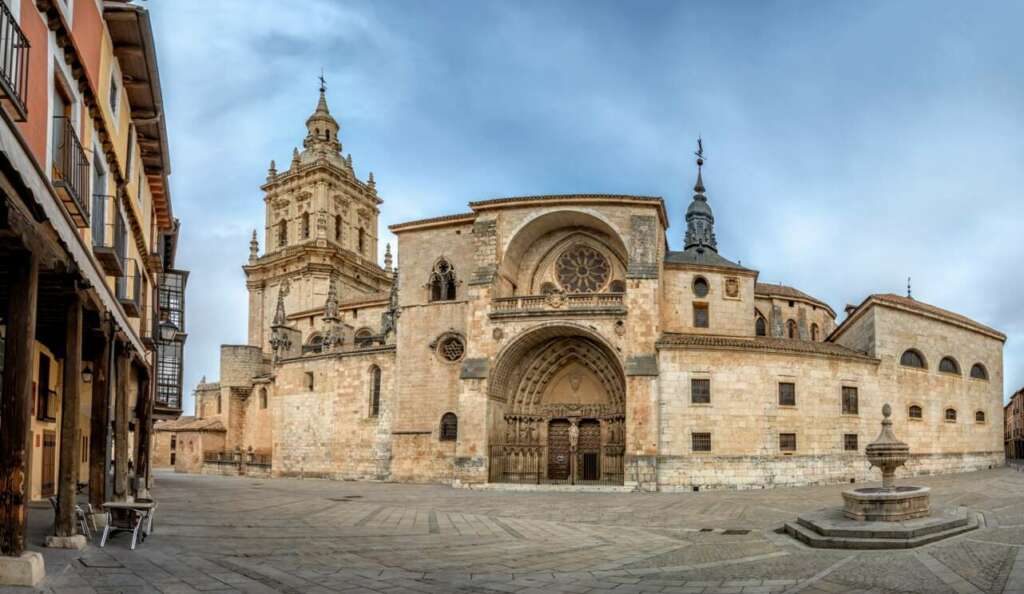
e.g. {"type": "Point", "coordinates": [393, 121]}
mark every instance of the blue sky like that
{"type": "Point", "coordinates": [849, 144]}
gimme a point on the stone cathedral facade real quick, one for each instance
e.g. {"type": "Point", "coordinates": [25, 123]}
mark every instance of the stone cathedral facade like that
{"type": "Point", "coordinates": [558, 339]}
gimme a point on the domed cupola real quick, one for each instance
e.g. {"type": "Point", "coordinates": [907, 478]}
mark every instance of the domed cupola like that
{"type": "Point", "coordinates": [700, 222]}
{"type": "Point", "coordinates": [322, 128]}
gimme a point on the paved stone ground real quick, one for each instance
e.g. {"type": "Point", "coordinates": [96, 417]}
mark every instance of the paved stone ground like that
{"type": "Point", "coordinates": [221, 534]}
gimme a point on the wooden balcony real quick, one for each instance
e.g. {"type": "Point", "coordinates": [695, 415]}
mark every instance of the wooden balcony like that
{"type": "Point", "coordinates": [558, 304]}
{"type": "Point", "coordinates": [70, 174]}
{"type": "Point", "coordinates": [14, 48]}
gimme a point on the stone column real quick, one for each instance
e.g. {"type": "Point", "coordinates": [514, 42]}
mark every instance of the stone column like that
{"type": "Point", "coordinates": [17, 567]}
{"type": "Point", "coordinates": [65, 523]}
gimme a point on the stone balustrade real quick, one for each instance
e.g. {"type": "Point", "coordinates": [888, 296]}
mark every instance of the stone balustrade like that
{"type": "Point", "coordinates": [574, 304]}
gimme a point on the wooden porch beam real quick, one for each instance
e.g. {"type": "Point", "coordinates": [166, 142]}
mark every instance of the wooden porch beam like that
{"type": "Point", "coordinates": [70, 448]}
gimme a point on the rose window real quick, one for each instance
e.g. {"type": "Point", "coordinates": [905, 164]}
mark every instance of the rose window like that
{"type": "Point", "coordinates": [451, 348]}
{"type": "Point", "coordinates": [582, 269]}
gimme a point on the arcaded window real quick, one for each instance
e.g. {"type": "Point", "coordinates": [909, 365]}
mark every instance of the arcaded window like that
{"type": "Point", "coordinates": [305, 225]}
{"type": "Point", "coordinates": [787, 394]}
{"type": "Point", "coordinates": [978, 371]}
{"type": "Point", "coordinates": [449, 427]}
{"type": "Point", "coordinates": [791, 330]}
{"type": "Point", "coordinates": [787, 442]}
{"type": "Point", "coordinates": [700, 287]}
{"type": "Point", "coordinates": [442, 281]}
{"type": "Point", "coordinates": [912, 358]}
{"type": "Point", "coordinates": [915, 412]}
{"type": "Point", "coordinates": [850, 404]}
{"type": "Point", "coordinates": [701, 319]}
{"type": "Point", "coordinates": [582, 269]}
{"type": "Point", "coordinates": [979, 416]}
{"type": "Point", "coordinates": [374, 391]}
{"type": "Point", "coordinates": [951, 415]}
{"type": "Point", "coordinates": [850, 442]}
{"type": "Point", "coordinates": [761, 327]}
{"type": "Point", "coordinates": [814, 332]}
{"type": "Point", "coordinates": [701, 442]}
{"type": "Point", "coordinates": [949, 365]}
{"type": "Point", "coordinates": [282, 233]}
{"type": "Point", "coordinates": [700, 391]}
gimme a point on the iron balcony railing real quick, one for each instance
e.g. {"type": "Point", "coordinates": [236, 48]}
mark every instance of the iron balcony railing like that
{"type": "Point", "coordinates": [129, 288]}
{"type": "Point", "coordinates": [14, 48]}
{"type": "Point", "coordinates": [70, 170]}
{"type": "Point", "coordinates": [109, 239]}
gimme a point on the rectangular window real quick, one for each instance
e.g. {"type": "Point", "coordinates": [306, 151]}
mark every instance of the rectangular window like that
{"type": "Point", "coordinates": [701, 442]}
{"type": "Point", "coordinates": [219, 409]}
{"type": "Point", "coordinates": [700, 315]}
{"type": "Point", "coordinates": [113, 94]}
{"type": "Point", "coordinates": [849, 400]}
{"type": "Point", "coordinates": [850, 442]}
{"type": "Point", "coordinates": [700, 391]}
{"type": "Point", "coordinates": [787, 442]}
{"type": "Point", "coordinates": [128, 157]}
{"type": "Point", "coordinates": [309, 381]}
{"type": "Point", "coordinates": [787, 394]}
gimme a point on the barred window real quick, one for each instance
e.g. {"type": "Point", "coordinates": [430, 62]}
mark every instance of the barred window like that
{"type": "Point", "coordinates": [850, 400]}
{"type": "Point", "coordinates": [979, 417]}
{"type": "Point", "coordinates": [700, 391]}
{"type": "Point", "coordinates": [850, 442]}
{"type": "Point", "coordinates": [449, 427]}
{"type": "Point", "coordinates": [915, 412]}
{"type": "Point", "coordinates": [701, 442]}
{"type": "Point", "coordinates": [787, 442]}
{"type": "Point", "coordinates": [700, 315]}
{"type": "Point", "coordinates": [787, 394]}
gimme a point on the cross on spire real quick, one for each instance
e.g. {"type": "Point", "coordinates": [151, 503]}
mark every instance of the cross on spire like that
{"type": "Point", "coordinates": [323, 81]}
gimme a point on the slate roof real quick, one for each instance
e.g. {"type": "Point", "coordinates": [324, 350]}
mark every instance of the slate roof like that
{"type": "Point", "coordinates": [698, 258]}
{"type": "Point", "coordinates": [760, 343]}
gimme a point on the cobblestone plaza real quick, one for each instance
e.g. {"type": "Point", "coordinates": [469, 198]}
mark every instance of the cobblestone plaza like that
{"type": "Point", "coordinates": [227, 534]}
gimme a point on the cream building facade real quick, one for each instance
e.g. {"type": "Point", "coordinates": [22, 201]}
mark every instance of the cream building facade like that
{"type": "Point", "coordinates": [558, 339]}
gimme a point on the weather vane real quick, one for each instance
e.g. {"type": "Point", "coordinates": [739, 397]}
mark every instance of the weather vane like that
{"type": "Point", "coordinates": [323, 81]}
{"type": "Point", "coordinates": [700, 151]}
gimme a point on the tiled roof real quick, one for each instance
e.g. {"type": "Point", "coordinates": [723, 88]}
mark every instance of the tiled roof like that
{"type": "Point", "coordinates": [759, 343]}
{"type": "Point", "coordinates": [787, 292]}
{"type": "Point", "coordinates": [701, 258]}
{"type": "Point", "coordinates": [190, 424]}
{"type": "Point", "coordinates": [452, 218]}
{"type": "Point", "coordinates": [914, 304]}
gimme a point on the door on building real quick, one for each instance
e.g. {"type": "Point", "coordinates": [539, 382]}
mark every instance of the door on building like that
{"type": "Point", "coordinates": [49, 471]}
{"type": "Point", "coordinates": [590, 450]}
{"type": "Point", "coordinates": [558, 450]}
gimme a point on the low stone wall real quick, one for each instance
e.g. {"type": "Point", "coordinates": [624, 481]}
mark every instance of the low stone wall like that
{"type": "Point", "coordinates": [250, 470]}
{"type": "Point", "coordinates": [687, 473]}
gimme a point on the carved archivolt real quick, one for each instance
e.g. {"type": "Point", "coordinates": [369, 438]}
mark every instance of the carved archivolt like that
{"type": "Point", "coordinates": [554, 357]}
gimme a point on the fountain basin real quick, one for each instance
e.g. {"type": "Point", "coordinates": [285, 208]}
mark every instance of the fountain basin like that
{"type": "Point", "coordinates": [873, 504]}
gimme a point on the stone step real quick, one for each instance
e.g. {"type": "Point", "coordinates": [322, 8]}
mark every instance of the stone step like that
{"type": "Point", "coordinates": [836, 525]}
{"type": "Point", "coordinates": [819, 541]}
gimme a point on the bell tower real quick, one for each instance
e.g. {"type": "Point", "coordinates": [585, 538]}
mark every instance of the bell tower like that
{"type": "Point", "coordinates": [320, 220]}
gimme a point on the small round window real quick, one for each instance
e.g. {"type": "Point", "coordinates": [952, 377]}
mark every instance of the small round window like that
{"type": "Point", "coordinates": [700, 287]}
{"type": "Point", "coordinates": [451, 348]}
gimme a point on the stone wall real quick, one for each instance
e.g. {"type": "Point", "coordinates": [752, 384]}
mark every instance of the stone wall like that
{"type": "Point", "coordinates": [728, 314]}
{"type": "Point", "coordinates": [191, 447]}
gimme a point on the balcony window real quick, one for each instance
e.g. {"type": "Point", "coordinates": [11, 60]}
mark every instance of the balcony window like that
{"type": "Point", "coordinates": [129, 288]}
{"type": "Point", "coordinates": [70, 171]}
{"type": "Point", "coordinates": [14, 48]}
{"type": "Point", "coordinates": [168, 374]}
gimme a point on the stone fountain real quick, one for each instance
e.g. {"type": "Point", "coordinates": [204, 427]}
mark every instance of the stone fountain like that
{"type": "Point", "coordinates": [886, 517]}
{"type": "Point", "coordinates": [887, 503]}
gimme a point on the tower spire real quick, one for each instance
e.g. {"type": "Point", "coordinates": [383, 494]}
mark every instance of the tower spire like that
{"type": "Point", "coordinates": [700, 222]}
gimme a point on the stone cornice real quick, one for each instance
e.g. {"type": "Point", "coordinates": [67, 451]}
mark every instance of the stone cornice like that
{"type": "Point", "coordinates": [673, 341]}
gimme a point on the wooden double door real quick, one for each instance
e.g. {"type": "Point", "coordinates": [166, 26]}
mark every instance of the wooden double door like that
{"type": "Point", "coordinates": [587, 463]}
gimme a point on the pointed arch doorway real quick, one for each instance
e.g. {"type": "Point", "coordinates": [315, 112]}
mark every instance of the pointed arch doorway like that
{"type": "Point", "coordinates": [564, 418]}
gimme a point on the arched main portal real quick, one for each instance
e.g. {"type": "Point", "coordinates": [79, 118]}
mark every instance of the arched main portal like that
{"type": "Point", "coordinates": [564, 410]}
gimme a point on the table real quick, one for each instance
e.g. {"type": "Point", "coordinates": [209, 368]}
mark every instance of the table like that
{"type": "Point", "coordinates": [133, 516]}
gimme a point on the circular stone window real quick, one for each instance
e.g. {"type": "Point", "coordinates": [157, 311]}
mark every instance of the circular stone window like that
{"type": "Point", "coordinates": [582, 269]}
{"type": "Point", "coordinates": [451, 348]}
{"type": "Point", "coordinates": [700, 286]}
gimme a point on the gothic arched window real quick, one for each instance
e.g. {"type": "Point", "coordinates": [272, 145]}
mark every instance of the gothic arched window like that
{"type": "Point", "coordinates": [791, 330]}
{"type": "Point", "coordinates": [760, 327]}
{"type": "Point", "coordinates": [374, 391]}
{"type": "Point", "coordinates": [449, 427]}
{"type": "Point", "coordinates": [442, 281]}
{"type": "Point", "coordinates": [305, 225]}
{"type": "Point", "coordinates": [282, 233]}
{"type": "Point", "coordinates": [912, 358]}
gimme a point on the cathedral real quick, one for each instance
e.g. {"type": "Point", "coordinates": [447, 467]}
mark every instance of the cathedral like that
{"type": "Point", "coordinates": [559, 340]}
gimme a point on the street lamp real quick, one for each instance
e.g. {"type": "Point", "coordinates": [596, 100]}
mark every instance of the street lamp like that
{"type": "Point", "coordinates": [87, 374]}
{"type": "Point", "coordinates": [167, 330]}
